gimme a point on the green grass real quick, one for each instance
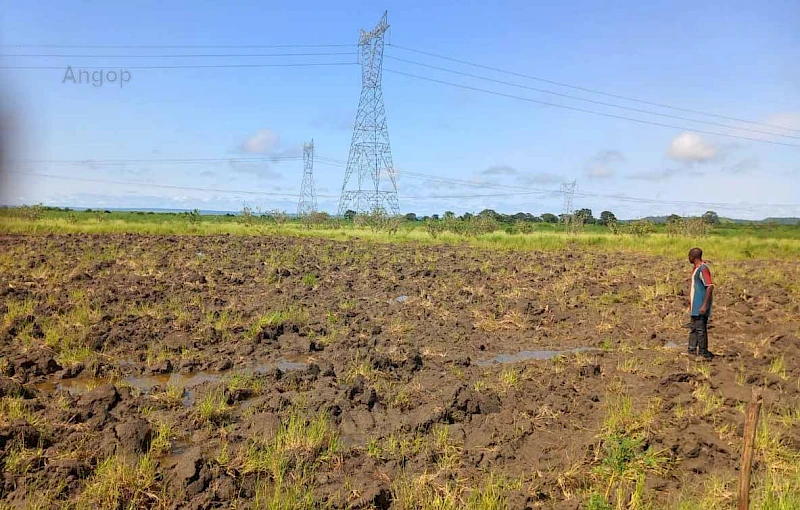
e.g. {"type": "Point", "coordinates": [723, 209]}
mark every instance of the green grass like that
{"type": "Point", "coordinates": [213, 408]}
{"type": "Point", "coordinates": [19, 460]}
{"type": "Point", "coordinates": [122, 483]}
{"type": "Point", "coordinates": [726, 243]}
{"type": "Point", "coordinates": [161, 442]}
{"type": "Point", "coordinates": [294, 315]}
{"type": "Point", "coordinates": [286, 463]}
{"type": "Point", "coordinates": [422, 493]}
{"type": "Point", "coordinates": [300, 444]}
{"type": "Point", "coordinates": [14, 408]}
{"type": "Point", "coordinates": [17, 309]}
{"type": "Point", "coordinates": [624, 462]}
{"type": "Point", "coordinates": [310, 279]}
{"type": "Point", "coordinates": [246, 381]}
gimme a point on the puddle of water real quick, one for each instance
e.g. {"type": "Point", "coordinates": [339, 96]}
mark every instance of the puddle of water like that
{"type": "Point", "coordinates": [401, 299]}
{"type": "Point", "coordinates": [529, 355]}
{"type": "Point", "coordinates": [180, 445]}
{"type": "Point", "coordinates": [671, 345]}
{"type": "Point", "coordinates": [286, 364]}
{"type": "Point", "coordinates": [145, 383]}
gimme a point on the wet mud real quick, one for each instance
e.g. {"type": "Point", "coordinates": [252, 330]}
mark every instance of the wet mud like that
{"type": "Point", "coordinates": [129, 346]}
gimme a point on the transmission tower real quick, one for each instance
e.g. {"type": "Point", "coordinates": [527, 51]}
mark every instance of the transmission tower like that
{"type": "Point", "coordinates": [568, 190]}
{"type": "Point", "coordinates": [308, 199]}
{"type": "Point", "coordinates": [370, 153]}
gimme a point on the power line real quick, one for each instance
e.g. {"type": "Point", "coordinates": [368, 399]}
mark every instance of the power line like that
{"type": "Point", "coordinates": [593, 101]}
{"type": "Point", "coordinates": [510, 190]}
{"type": "Point", "coordinates": [175, 55]}
{"type": "Point", "coordinates": [586, 89]}
{"type": "Point", "coordinates": [405, 48]}
{"type": "Point", "coordinates": [557, 192]}
{"type": "Point", "coordinates": [178, 46]}
{"type": "Point", "coordinates": [124, 161]}
{"type": "Point", "coordinates": [162, 186]}
{"type": "Point", "coordinates": [592, 112]}
{"type": "Point", "coordinates": [515, 192]}
{"type": "Point", "coordinates": [199, 66]}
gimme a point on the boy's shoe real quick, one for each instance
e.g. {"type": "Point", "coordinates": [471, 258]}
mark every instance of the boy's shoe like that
{"type": "Point", "coordinates": [706, 354]}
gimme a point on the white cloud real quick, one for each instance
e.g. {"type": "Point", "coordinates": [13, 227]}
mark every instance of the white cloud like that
{"type": "Point", "coordinates": [262, 142]}
{"type": "Point", "coordinates": [603, 164]}
{"type": "Point", "coordinates": [691, 148]}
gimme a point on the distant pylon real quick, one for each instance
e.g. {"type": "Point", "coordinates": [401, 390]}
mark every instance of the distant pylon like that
{"type": "Point", "coordinates": [370, 153]}
{"type": "Point", "coordinates": [568, 189]}
{"type": "Point", "coordinates": [308, 199]}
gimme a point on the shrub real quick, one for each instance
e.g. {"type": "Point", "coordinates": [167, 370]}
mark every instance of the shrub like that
{"type": "Point", "coordinates": [640, 228]}
{"type": "Point", "coordinates": [434, 227]}
{"type": "Point", "coordinates": [689, 227]}
{"type": "Point", "coordinates": [31, 212]}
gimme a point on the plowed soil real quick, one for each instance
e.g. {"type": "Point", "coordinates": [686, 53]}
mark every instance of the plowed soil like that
{"type": "Point", "coordinates": [107, 338]}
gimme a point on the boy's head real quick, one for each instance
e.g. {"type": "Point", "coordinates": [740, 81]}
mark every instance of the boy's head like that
{"type": "Point", "coordinates": [695, 255]}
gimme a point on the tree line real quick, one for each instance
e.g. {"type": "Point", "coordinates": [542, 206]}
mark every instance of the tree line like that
{"type": "Point", "coordinates": [585, 216]}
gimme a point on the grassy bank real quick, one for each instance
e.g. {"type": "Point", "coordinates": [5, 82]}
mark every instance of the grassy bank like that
{"type": "Point", "coordinates": [727, 243]}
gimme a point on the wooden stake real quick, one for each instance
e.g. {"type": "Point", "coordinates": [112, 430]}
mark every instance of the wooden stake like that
{"type": "Point", "coordinates": [750, 425]}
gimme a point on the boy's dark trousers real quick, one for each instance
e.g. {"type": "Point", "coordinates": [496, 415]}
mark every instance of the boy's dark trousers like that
{"type": "Point", "coordinates": [698, 334]}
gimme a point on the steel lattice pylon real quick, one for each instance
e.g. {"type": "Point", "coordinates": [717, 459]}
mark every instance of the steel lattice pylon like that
{"type": "Point", "coordinates": [308, 200]}
{"type": "Point", "coordinates": [370, 153]}
{"type": "Point", "coordinates": [568, 189]}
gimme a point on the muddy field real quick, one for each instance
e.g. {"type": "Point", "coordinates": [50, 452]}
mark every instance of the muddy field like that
{"type": "Point", "coordinates": [233, 372]}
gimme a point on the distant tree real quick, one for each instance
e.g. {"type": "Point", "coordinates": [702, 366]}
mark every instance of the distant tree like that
{"type": "Point", "coordinates": [549, 218]}
{"type": "Point", "coordinates": [349, 214]}
{"type": "Point", "coordinates": [434, 216]}
{"type": "Point", "coordinates": [711, 217]}
{"type": "Point", "coordinates": [411, 216]}
{"type": "Point", "coordinates": [449, 215]}
{"type": "Point", "coordinates": [467, 216]}
{"type": "Point", "coordinates": [673, 218]}
{"type": "Point", "coordinates": [585, 215]}
{"type": "Point", "coordinates": [488, 213]}
{"type": "Point", "coordinates": [606, 217]}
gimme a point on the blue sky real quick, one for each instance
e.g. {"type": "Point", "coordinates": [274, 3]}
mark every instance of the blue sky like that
{"type": "Point", "coordinates": [736, 59]}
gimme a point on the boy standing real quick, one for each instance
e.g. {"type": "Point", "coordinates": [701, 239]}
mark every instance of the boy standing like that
{"type": "Point", "coordinates": [700, 304]}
